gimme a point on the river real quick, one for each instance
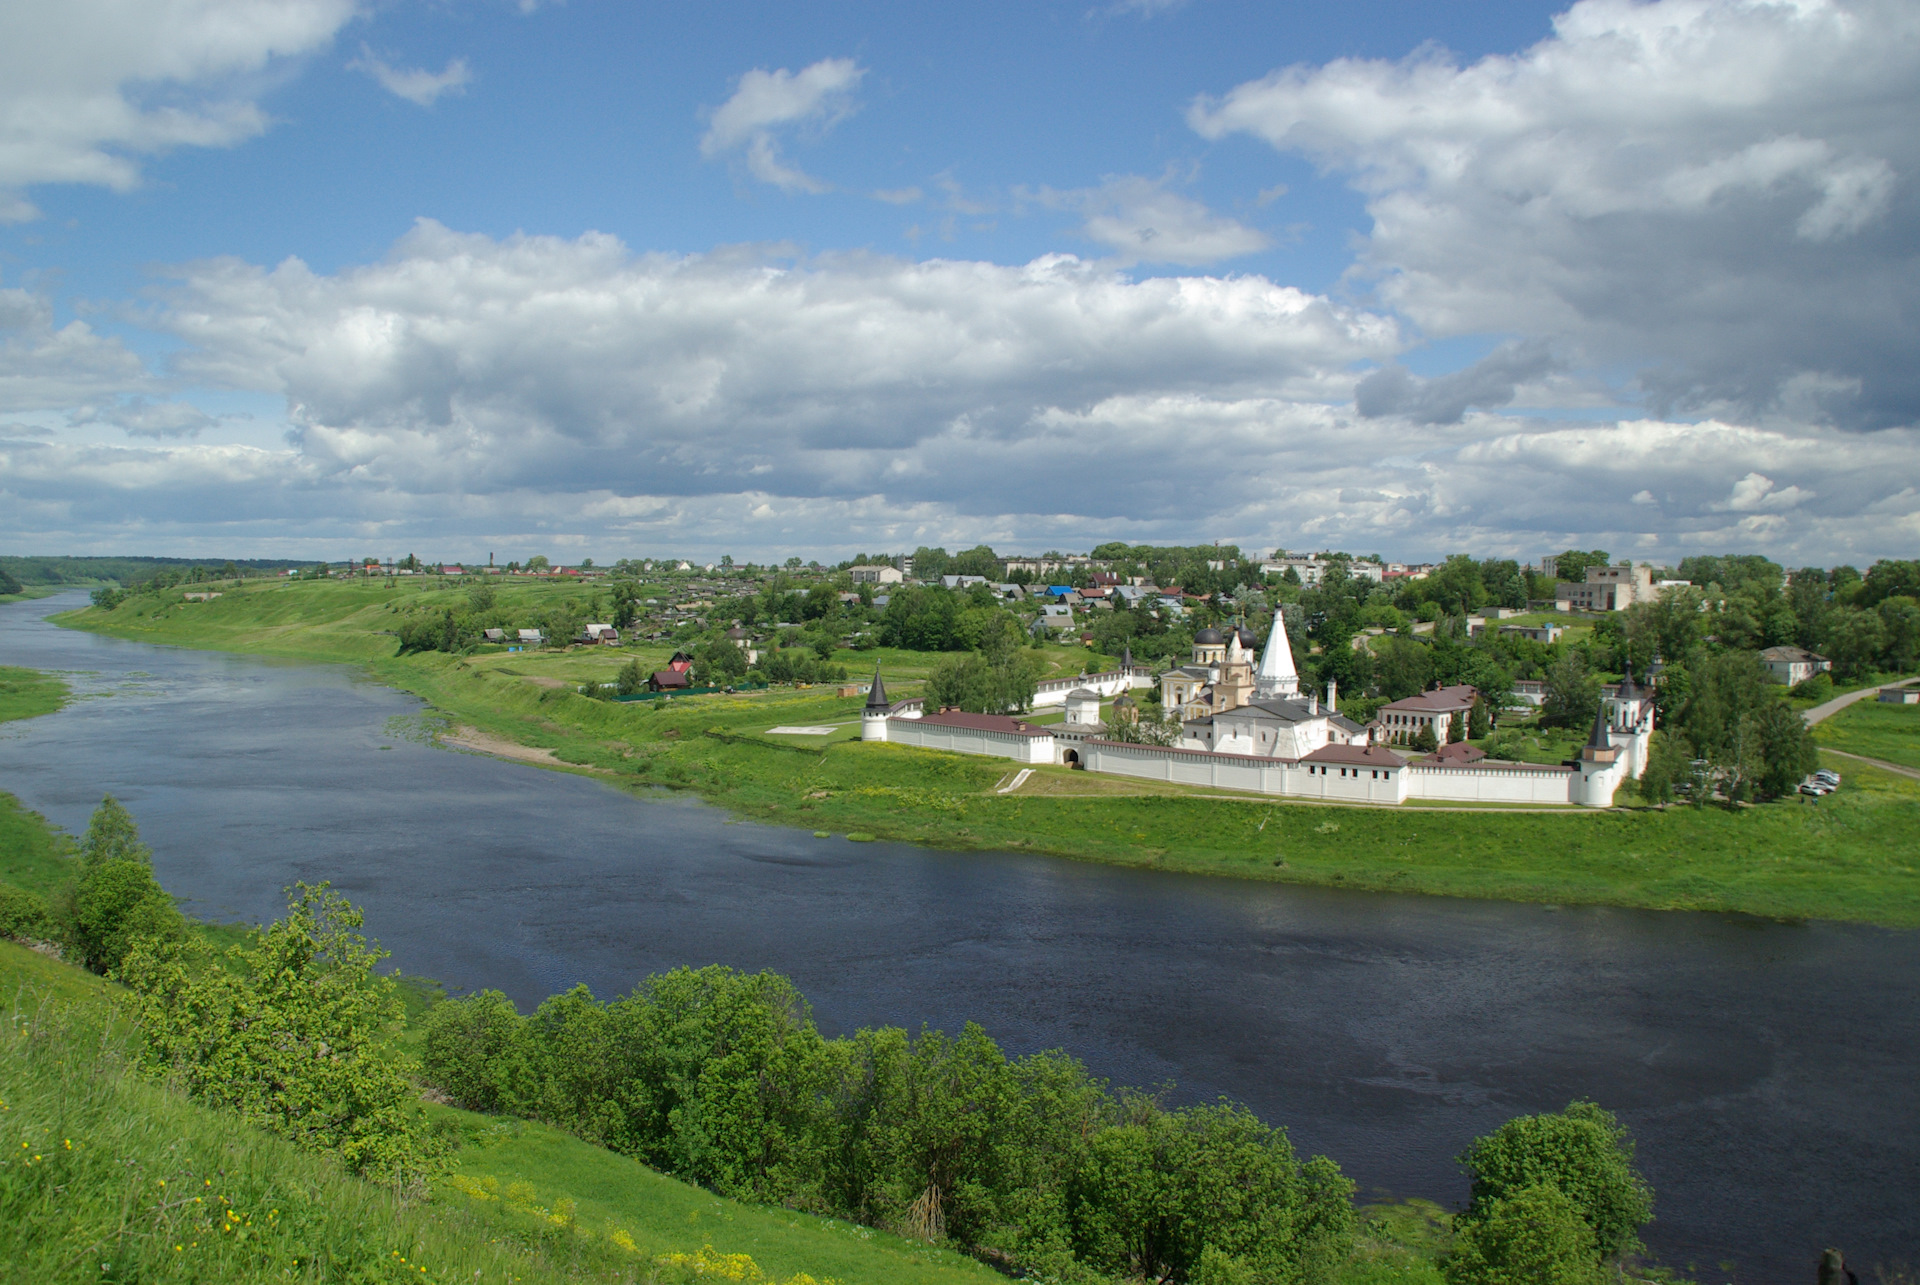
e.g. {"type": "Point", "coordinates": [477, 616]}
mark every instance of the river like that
{"type": "Point", "coordinates": [1768, 1070]}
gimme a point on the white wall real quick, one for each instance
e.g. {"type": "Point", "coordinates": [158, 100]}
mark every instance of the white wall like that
{"type": "Point", "coordinates": [1483, 784]}
{"type": "Point", "coordinates": [968, 740]}
{"type": "Point", "coordinates": [1244, 772]}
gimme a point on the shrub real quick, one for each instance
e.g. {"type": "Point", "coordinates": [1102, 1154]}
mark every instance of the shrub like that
{"type": "Point", "coordinates": [1818, 688]}
{"type": "Point", "coordinates": [23, 915]}
{"type": "Point", "coordinates": [476, 1051]}
{"type": "Point", "coordinates": [1584, 1153]}
{"type": "Point", "coordinates": [116, 904]}
{"type": "Point", "coordinates": [1534, 1236]}
{"type": "Point", "coordinates": [291, 1035]}
{"type": "Point", "coordinates": [112, 835]}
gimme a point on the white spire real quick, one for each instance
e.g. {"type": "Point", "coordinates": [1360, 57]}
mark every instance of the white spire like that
{"type": "Point", "coordinates": [1277, 676]}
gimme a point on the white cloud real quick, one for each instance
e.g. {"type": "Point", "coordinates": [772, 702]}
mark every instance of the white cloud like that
{"type": "Point", "coordinates": [1757, 492]}
{"type": "Point", "coordinates": [1717, 192]}
{"type": "Point", "coordinates": [817, 97]}
{"type": "Point", "coordinates": [45, 367]}
{"type": "Point", "coordinates": [87, 87]}
{"type": "Point", "coordinates": [414, 84]}
{"type": "Point", "coordinates": [1142, 221]}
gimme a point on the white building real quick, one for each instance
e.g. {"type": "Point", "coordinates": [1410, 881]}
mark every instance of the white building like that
{"type": "Point", "coordinates": [1400, 721]}
{"type": "Point", "coordinates": [880, 574]}
{"type": "Point", "coordinates": [1791, 665]}
{"type": "Point", "coordinates": [1607, 589]}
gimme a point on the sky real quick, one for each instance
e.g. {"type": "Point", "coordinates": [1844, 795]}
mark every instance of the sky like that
{"type": "Point", "coordinates": [332, 279]}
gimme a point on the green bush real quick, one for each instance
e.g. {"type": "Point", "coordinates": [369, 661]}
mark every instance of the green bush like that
{"type": "Point", "coordinates": [1533, 1236]}
{"type": "Point", "coordinates": [1583, 1153]}
{"type": "Point", "coordinates": [23, 915]}
{"type": "Point", "coordinates": [116, 904]}
{"type": "Point", "coordinates": [291, 1034]}
{"type": "Point", "coordinates": [480, 1052]}
{"type": "Point", "coordinates": [1816, 689]}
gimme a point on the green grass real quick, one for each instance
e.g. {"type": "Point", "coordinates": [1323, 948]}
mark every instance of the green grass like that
{"type": "Point", "coordinates": [28, 693]}
{"type": "Point", "coordinates": [1852, 857]}
{"type": "Point", "coordinates": [107, 1177]}
{"type": "Point", "coordinates": [530, 1173]}
{"type": "Point", "coordinates": [1890, 733]}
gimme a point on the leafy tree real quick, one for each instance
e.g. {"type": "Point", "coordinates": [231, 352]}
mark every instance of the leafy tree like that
{"type": "Point", "coordinates": [1156, 1191]}
{"type": "Point", "coordinates": [1584, 1153]}
{"type": "Point", "coordinates": [1533, 1236]}
{"type": "Point", "coordinates": [8, 585]}
{"type": "Point", "coordinates": [1479, 720]}
{"type": "Point", "coordinates": [1889, 579]}
{"type": "Point", "coordinates": [1572, 695]}
{"type": "Point", "coordinates": [1900, 625]}
{"type": "Point", "coordinates": [113, 835]}
{"type": "Point", "coordinates": [291, 1034]}
{"type": "Point", "coordinates": [1855, 638]}
{"type": "Point", "coordinates": [632, 679]}
{"type": "Point", "coordinates": [719, 662]}
{"type": "Point", "coordinates": [970, 682]}
{"type": "Point", "coordinates": [1572, 565]}
{"type": "Point", "coordinates": [1401, 667]}
{"type": "Point", "coordinates": [1457, 726]}
{"type": "Point", "coordinates": [480, 1054]}
{"type": "Point", "coordinates": [116, 904]}
{"type": "Point", "coordinates": [1424, 740]}
{"type": "Point", "coordinates": [1668, 765]}
{"type": "Point", "coordinates": [538, 562]}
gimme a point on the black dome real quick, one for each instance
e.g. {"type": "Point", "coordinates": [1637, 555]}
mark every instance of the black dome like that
{"type": "Point", "coordinates": [1209, 637]}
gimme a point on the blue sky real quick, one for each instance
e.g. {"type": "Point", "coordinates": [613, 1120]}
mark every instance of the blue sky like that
{"type": "Point", "coordinates": [317, 277]}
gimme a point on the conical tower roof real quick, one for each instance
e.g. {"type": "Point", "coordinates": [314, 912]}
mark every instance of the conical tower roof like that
{"type": "Point", "coordinates": [1277, 676]}
{"type": "Point", "coordinates": [877, 698]}
{"type": "Point", "coordinates": [1629, 691]}
{"type": "Point", "coordinates": [1126, 660]}
{"type": "Point", "coordinates": [1597, 739]}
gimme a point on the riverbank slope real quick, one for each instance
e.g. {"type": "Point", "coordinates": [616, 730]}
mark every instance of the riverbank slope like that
{"type": "Point", "coordinates": [1849, 857]}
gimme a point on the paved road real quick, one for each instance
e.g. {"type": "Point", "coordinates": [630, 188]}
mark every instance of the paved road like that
{"type": "Point", "coordinates": [1838, 703]}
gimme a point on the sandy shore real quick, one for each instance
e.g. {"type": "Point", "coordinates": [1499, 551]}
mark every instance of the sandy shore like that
{"type": "Point", "coordinates": [479, 742]}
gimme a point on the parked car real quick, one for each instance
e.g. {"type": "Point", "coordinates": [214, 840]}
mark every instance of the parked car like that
{"type": "Point", "coordinates": [1819, 789]}
{"type": "Point", "coordinates": [1828, 775]}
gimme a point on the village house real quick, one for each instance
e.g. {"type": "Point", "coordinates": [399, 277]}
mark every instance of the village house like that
{"type": "Point", "coordinates": [1899, 696]}
{"type": "Point", "coordinates": [1792, 665]}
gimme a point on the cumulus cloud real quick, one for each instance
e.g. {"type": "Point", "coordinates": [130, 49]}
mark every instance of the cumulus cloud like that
{"type": "Point", "coordinates": [1143, 221]}
{"type": "Point", "coordinates": [1488, 383]}
{"type": "Point", "coordinates": [534, 391]}
{"type": "Point", "coordinates": [44, 366]}
{"type": "Point", "coordinates": [1714, 192]}
{"type": "Point", "coordinates": [816, 97]}
{"type": "Point", "coordinates": [87, 87]}
{"type": "Point", "coordinates": [415, 84]}
{"type": "Point", "coordinates": [467, 363]}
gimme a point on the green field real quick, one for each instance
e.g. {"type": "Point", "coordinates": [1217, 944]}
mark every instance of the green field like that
{"type": "Point", "coordinates": [1850, 857]}
{"type": "Point", "coordinates": [1890, 733]}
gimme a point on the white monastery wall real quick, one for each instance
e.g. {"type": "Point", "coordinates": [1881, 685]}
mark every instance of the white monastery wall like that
{"type": "Point", "coordinates": [970, 740]}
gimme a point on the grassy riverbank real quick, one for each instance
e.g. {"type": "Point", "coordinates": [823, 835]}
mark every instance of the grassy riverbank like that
{"type": "Point", "coordinates": [1850, 857]}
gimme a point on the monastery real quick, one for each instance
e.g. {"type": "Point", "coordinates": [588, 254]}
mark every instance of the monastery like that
{"type": "Point", "coordinates": [1249, 728]}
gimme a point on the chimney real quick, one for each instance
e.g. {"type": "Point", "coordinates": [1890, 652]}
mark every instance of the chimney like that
{"type": "Point", "coordinates": [1333, 687]}
{"type": "Point", "coordinates": [1313, 704]}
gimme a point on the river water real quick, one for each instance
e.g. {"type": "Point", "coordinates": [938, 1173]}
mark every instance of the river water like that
{"type": "Point", "coordinates": [1768, 1070]}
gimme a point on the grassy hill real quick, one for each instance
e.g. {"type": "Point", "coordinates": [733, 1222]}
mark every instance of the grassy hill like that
{"type": "Point", "coordinates": [109, 1177]}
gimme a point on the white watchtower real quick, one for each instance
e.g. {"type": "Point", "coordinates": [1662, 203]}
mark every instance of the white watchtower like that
{"type": "Point", "coordinates": [873, 719]}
